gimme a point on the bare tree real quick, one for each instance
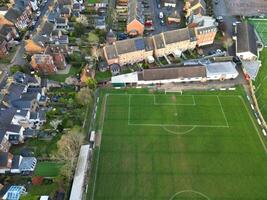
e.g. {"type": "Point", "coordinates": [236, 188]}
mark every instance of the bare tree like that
{"type": "Point", "coordinates": [84, 96]}
{"type": "Point", "coordinates": [68, 150]}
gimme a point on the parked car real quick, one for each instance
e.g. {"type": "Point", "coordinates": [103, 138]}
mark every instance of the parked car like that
{"type": "Point", "coordinates": [38, 13]}
{"type": "Point", "coordinates": [161, 15]}
{"type": "Point", "coordinates": [122, 36]}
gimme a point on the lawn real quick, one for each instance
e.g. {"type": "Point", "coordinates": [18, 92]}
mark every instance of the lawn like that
{"type": "Point", "coordinates": [199, 145]}
{"type": "Point", "coordinates": [61, 77]}
{"type": "Point", "coordinates": [103, 75]}
{"type": "Point", "coordinates": [261, 84]}
{"type": "Point", "coordinates": [260, 26]}
{"type": "Point", "coordinates": [47, 169]}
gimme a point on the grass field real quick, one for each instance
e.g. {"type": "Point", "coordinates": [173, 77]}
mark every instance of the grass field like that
{"type": "Point", "coordinates": [261, 84]}
{"type": "Point", "coordinates": [48, 169]}
{"type": "Point", "coordinates": [199, 145]}
{"type": "Point", "coordinates": [260, 26]}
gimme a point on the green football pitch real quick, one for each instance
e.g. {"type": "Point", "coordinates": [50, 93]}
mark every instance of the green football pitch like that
{"type": "Point", "coordinates": [172, 147]}
{"type": "Point", "coordinates": [260, 26]}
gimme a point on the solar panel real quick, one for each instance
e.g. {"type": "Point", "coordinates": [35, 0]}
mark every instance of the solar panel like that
{"type": "Point", "coordinates": [139, 44]}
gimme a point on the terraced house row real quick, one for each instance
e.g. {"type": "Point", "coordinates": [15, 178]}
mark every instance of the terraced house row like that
{"type": "Point", "coordinates": [171, 42]}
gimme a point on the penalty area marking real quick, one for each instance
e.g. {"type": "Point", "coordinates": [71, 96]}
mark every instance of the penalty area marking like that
{"type": "Point", "coordinates": [189, 191]}
{"type": "Point", "coordinates": [178, 133]}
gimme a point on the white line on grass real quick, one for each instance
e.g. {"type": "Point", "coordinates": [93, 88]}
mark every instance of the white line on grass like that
{"type": "Point", "coordinates": [189, 191]}
{"type": "Point", "coordinates": [220, 103]}
{"type": "Point", "coordinates": [178, 133]}
{"type": "Point", "coordinates": [255, 126]}
{"type": "Point", "coordinates": [98, 155]}
{"type": "Point", "coordinates": [182, 125]}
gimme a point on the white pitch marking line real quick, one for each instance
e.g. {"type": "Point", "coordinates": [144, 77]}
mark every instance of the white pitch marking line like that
{"type": "Point", "coordinates": [175, 125]}
{"type": "Point", "coordinates": [249, 114]}
{"type": "Point", "coordinates": [190, 191]}
{"type": "Point", "coordinates": [220, 103]}
{"type": "Point", "coordinates": [178, 133]}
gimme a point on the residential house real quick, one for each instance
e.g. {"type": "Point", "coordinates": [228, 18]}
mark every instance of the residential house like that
{"type": "Point", "coordinates": [27, 101]}
{"type": "Point", "coordinates": [195, 7]}
{"type": "Point", "coordinates": [16, 164]}
{"type": "Point", "coordinates": [127, 51]}
{"type": "Point", "coordinates": [139, 49]}
{"type": "Point", "coordinates": [59, 60]}
{"type": "Point", "coordinates": [62, 23]}
{"type": "Point", "coordinates": [47, 30]}
{"type": "Point", "coordinates": [32, 47]}
{"type": "Point", "coordinates": [5, 162]}
{"type": "Point", "coordinates": [43, 63]}
{"type": "Point", "coordinates": [21, 118]}
{"type": "Point", "coordinates": [3, 47]}
{"type": "Point", "coordinates": [26, 79]}
{"type": "Point", "coordinates": [246, 42]}
{"type": "Point", "coordinates": [205, 28]}
{"type": "Point", "coordinates": [65, 12]}
{"type": "Point", "coordinates": [174, 42]}
{"type": "Point", "coordinates": [9, 32]}
{"type": "Point", "coordinates": [135, 19]}
{"type": "Point", "coordinates": [15, 133]}
{"type": "Point", "coordinates": [12, 192]}
{"type": "Point", "coordinates": [20, 14]}
{"type": "Point", "coordinates": [4, 143]}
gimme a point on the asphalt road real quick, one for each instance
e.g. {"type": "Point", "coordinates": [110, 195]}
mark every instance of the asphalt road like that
{"type": "Point", "coordinates": [19, 56]}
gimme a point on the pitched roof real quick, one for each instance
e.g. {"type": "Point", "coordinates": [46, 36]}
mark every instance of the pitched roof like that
{"type": "Point", "coordinates": [135, 11]}
{"type": "Point", "coordinates": [4, 30]}
{"type": "Point", "coordinates": [3, 158]}
{"type": "Point", "coordinates": [172, 73]}
{"type": "Point", "coordinates": [176, 35]}
{"type": "Point", "coordinates": [13, 128]}
{"type": "Point", "coordinates": [48, 28]}
{"type": "Point", "coordinates": [13, 14]}
{"type": "Point", "coordinates": [246, 38]}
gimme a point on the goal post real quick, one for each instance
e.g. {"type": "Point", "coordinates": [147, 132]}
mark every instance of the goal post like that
{"type": "Point", "coordinates": [173, 91]}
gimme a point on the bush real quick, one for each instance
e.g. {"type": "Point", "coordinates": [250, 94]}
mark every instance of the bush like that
{"type": "Point", "coordinates": [15, 69]}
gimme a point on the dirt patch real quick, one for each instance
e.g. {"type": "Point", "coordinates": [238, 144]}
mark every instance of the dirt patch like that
{"type": "Point", "coordinates": [174, 98]}
{"type": "Point", "coordinates": [98, 137]}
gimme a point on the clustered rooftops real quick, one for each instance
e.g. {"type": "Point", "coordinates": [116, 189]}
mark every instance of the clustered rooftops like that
{"type": "Point", "coordinates": [149, 43]}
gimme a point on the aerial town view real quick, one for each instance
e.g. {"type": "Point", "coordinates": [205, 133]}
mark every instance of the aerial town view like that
{"type": "Point", "coordinates": [133, 99]}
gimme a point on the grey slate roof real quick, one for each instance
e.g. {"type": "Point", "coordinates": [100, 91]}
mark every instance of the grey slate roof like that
{"type": "Point", "coordinates": [172, 73]}
{"type": "Point", "coordinates": [15, 162]}
{"type": "Point", "coordinates": [13, 14]}
{"type": "Point", "coordinates": [176, 35]}
{"type": "Point", "coordinates": [159, 41]}
{"type": "Point", "coordinates": [13, 128]}
{"type": "Point", "coordinates": [3, 158]}
{"type": "Point", "coordinates": [14, 92]}
{"type": "Point", "coordinates": [27, 163]}
{"type": "Point", "coordinates": [135, 11]}
{"type": "Point", "coordinates": [48, 28]}
{"type": "Point", "coordinates": [246, 38]}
